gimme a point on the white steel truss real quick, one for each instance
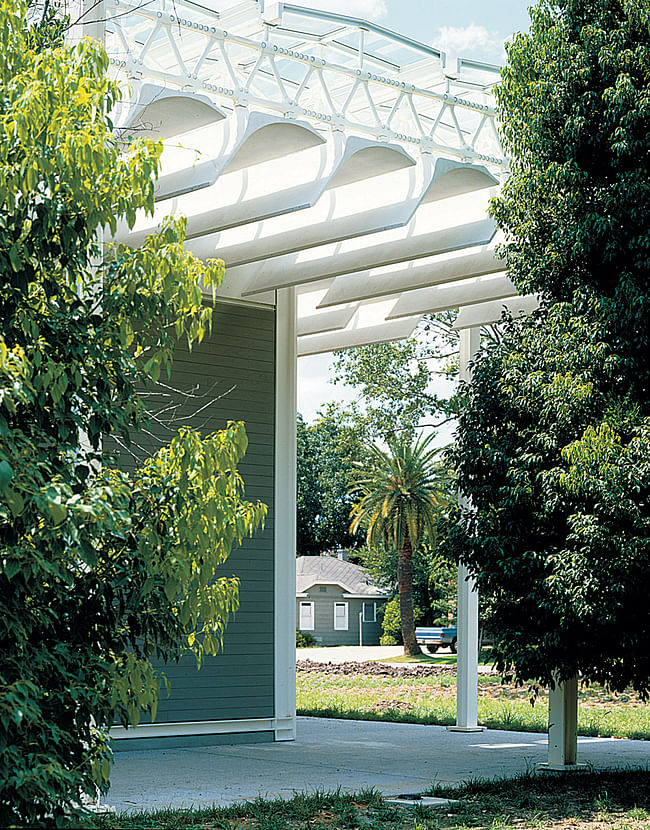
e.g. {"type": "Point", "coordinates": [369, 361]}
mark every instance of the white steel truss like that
{"type": "Point", "coordinates": [330, 70]}
{"type": "Point", "coordinates": [318, 152]}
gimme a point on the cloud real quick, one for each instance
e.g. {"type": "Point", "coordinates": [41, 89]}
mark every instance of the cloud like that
{"type": "Point", "coordinates": [363, 9]}
{"type": "Point", "coordinates": [471, 41]}
{"type": "Point", "coordinates": [314, 389]}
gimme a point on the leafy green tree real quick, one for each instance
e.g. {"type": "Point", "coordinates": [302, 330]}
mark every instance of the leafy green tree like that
{"type": "Point", "coordinates": [399, 497]}
{"type": "Point", "coordinates": [545, 448]}
{"type": "Point", "coordinates": [327, 451]}
{"type": "Point", "coordinates": [394, 380]}
{"type": "Point", "coordinates": [99, 570]}
{"type": "Point", "coordinates": [308, 495]}
{"type": "Point", "coordinates": [553, 443]}
{"type": "Point", "coordinates": [573, 104]}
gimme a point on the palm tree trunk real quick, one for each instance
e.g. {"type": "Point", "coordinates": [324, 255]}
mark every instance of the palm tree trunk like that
{"type": "Point", "coordinates": [405, 582]}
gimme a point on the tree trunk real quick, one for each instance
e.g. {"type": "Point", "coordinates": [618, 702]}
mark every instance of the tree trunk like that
{"type": "Point", "coordinates": [405, 581]}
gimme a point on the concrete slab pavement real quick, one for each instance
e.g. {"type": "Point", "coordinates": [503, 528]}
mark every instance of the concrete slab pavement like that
{"type": "Point", "coordinates": [391, 757]}
{"type": "Point", "coordinates": [345, 654]}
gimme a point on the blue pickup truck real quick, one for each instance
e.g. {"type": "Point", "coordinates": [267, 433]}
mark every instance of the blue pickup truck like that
{"type": "Point", "coordinates": [435, 637]}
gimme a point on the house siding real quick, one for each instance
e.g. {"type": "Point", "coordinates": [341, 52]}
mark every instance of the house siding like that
{"type": "Point", "coordinates": [235, 364]}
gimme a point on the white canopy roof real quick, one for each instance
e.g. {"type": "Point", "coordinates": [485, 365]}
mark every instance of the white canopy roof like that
{"type": "Point", "coordinates": [314, 150]}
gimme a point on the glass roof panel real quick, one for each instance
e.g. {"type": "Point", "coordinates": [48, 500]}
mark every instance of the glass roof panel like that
{"type": "Point", "coordinates": [315, 25]}
{"type": "Point", "coordinates": [379, 42]}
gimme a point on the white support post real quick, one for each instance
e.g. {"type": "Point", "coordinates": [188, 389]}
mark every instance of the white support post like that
{"type": "Point", "coordinates": [93, 19]}
{"type": "Point", "coordinates": [467, 612]}
{"type": "Point", "coordinates": [467, 668]}
{"type": "Point", "coordinates": [285, 515]}
{"type": "Point", "coordinates": [563, 726]}
{"type": "Point", "coordinates": [88, 18]}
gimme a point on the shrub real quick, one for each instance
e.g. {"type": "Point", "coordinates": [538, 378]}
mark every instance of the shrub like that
{"type": "Point", "coordinates": [304, 639]}
{"type": "Point", "coordinates": [391, 624]}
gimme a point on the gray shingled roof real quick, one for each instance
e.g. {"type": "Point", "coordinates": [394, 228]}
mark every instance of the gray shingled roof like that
{"type": "Point", "coordinates": [326, 570]}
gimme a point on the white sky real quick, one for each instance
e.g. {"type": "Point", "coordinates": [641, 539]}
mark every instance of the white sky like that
{"type": "Point", "coordinates": [472, 29]}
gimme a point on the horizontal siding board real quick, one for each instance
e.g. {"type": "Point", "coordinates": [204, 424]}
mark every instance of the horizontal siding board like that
{"type": "Point", "coordinates": [255, 710]}
{"type": "Point", "coordinates": [213, 667]}
{"type": "Point", "coordinates": [234, 370]}
{"type": "Point", "coordinates": [227, 686]}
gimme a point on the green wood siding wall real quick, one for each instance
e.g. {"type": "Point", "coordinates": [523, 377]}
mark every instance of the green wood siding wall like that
{"type": "Point", "coordinates": [235, 364]}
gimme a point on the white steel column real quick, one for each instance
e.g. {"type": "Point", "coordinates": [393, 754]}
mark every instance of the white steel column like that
{"type": "Point", "coordinates": [285, 515]}
{"type": "Point", "coordinates": [94, 19]}
{"type": "Point", "coordinates": [563, 726]}
{"type": "Point", "coordinates": [467, 612]}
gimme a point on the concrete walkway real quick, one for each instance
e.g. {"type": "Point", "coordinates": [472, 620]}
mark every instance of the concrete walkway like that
{"type": "Point", "coordinates": [345, 654]}
{"type": "Point", "coordinates": [393, 758]}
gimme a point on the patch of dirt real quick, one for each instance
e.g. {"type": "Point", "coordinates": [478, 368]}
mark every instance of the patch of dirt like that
{"type": "Point", "coordinates": [377, 669]}
{"type": "Point", "coordinates": [393, 705]}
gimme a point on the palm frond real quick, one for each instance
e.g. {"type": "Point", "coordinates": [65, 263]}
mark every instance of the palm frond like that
{"type": "Point", "coordinates": [400, 492]}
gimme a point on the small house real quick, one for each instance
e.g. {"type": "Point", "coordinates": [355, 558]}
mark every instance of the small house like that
{"type": "Point", "coordinates": [337, 601]}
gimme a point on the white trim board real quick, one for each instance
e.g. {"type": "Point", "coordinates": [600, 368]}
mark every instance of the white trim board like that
{"type": "Point", "coordinates": [208, 727]}
{"type": "Point", "coordinates": [345, 620]}
{"type": "Point", "coordinates": [311, 615]}
{"type": "Point", "coordinates": [326, 582]}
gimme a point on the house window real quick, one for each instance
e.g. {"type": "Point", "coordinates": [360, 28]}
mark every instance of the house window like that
{"type": "Point", "coordinates": [370, 612]}
{"type": "Point", "coordinates": [306, 616]}
{"type": "Point", "coordinates": [340, 616]}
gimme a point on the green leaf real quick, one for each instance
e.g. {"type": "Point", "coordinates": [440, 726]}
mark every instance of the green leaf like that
{"type": "Point", "coordinates": [15, 501]}
{"type": "Point", "coordinates": [6, 474]}
{"type": "Point", "coordinates": [170, 588]}
{"type": "Point", "coordinates": [58, 512]}
{"type": "Point", "coordinates": [11, 567]}
{"type": "Point", "coordinates": [14, 258]}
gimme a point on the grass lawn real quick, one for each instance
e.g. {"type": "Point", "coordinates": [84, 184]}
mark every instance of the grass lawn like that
{"type": "Point", "coordinates": [598, 801]}
{"type": "Point", "coordinates": [444, 658]}
{"type": "Point", "coordinates": [432, 699]}
{"type": "Point", "coordinates": [422, 660]}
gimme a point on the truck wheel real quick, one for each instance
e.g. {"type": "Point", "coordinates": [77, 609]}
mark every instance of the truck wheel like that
{"type": "Point", "coordinates": [452, 646]}
{"type": "Point", "coordinates": [432, 649]}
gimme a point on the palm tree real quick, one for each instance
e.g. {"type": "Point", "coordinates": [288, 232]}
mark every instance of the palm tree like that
{"type": "Point", "coordinates": [400, 495]}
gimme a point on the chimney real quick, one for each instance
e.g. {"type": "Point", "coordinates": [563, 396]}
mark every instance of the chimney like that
{"type": "Point", "coordinates": [342, 555]}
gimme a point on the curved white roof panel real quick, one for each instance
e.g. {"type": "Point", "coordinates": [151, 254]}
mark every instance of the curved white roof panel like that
{"type": "Point", "coordinates": [315, 150]}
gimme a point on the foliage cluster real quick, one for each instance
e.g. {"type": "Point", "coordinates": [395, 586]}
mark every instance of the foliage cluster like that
{"type": "Point", "coordinates": [391, 622]}
{"type": "Point", "coordinates": [326, 453]}
{"type": "Point", "coordinates": [553, 444]}
{"type": "Point", "coordinates": [393, 380]}
{"type": "Point", "coordinates": [304, 639]}
{"type": "Point", "coordinates": [99, 571]}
